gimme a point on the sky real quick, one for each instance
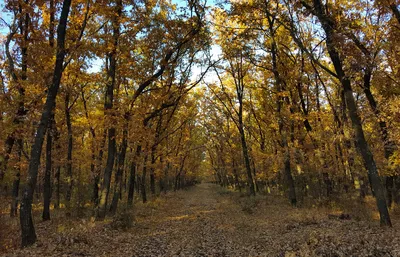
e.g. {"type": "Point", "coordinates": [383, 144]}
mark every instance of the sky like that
{"type": "Point", "coordinates": [4, 16]}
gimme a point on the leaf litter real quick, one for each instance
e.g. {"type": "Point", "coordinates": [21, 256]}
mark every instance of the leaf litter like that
{"type": "Point", "coordinates": [202, 221]}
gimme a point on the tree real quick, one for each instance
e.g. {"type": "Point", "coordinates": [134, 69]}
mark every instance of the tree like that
{"type": "Point", "coordinates": [27, 228]}
{"type": "Point", "coordinates": [329, 26]}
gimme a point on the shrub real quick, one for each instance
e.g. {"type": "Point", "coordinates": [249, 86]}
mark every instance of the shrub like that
{"type": "Point", "coordinates": [122, 220]}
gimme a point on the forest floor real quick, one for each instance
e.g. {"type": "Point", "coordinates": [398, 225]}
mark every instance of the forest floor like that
{"type": "Point", "coordinates": [206, 220]}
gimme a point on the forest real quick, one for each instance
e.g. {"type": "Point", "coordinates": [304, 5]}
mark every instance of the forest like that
{"type": "Point", "coordinates": [200, 128]}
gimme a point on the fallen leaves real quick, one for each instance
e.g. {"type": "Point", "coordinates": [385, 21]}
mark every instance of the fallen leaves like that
{"type": "Point", "coordinates": [203, 222]}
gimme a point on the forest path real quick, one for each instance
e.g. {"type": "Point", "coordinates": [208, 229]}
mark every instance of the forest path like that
{"type": "Point", "coordinates": [202, 221]}
{"type": "Point", "coordinates": [206, 220]}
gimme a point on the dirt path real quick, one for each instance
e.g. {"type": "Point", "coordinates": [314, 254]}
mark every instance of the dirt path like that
{"type": "Point", "coordinates": [198, 222]}
{"type": "Point", "coordinates": [207, 221]}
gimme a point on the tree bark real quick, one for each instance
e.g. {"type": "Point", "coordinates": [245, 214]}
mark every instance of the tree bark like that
{"type": "Point", "coordinates": [69, 174]}
{"type": "Point", "coordinates": [132, 175]}
{"type": "Point", "coordinates": [120, 168]}
{"type": "Point", "coordinates": [47, 177]}
{"type": "Point", "coordinates": [239, 83]}
{"type": "Point", "coordinates": [17, 179]}
{"type": "Point", "coordinates": [152, 175]}
{"type": "Point", "coordinates": [395, 12]}
{"type": "Point", "coordinates": [47, 191]}
{"type": "Point", "coordinates": [108, 106]}
{"type": "Point", "coordinates": [143, 180]}
{"type": "Point", "coordinates": [28, 234]}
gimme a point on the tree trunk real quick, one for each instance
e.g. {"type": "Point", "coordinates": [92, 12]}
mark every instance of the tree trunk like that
{"type": "Point", "coordinates": [69, 174]}
{"type": "Point", "coordinates": [28, 234]}
{"type": "Point", "coordinates": [108, 105]}
{"type": "Point", "coordinates": [96, 179]}
{"type": "Point", "coordinates": [15, 192]}
{"type": "Point", "coordinates": [51, 130]}
{"type": "Point", "coordinates": [152, 175]}
{"type": "Point", "coordinates": [17, 179]}
{"type": "Point", "coordinates": [47, 177]}
{"type": "Point", "coordinates": [368, 158]}
{"type": "Point", "coordinates": [279, 84]}
{"type": "Point", "coordinates": [118, 175]}
{"type": "Point", "coordinates": [245, 151]}
{"type": "Point", "coordinates": [252, 190]}
{"type": "Point", "coordinates": [289, 178]}
{"type": "Point", "coordinates": [166, 179]}
{"type": "Point", "coordinates": [143, 180]}
{"type": "Point", "coordinates": [57, 185]}
{"type": "Point", "coordinates": [395, 11]}
{"type": "Point", "coordinates": [133, 175]}
{"type": "Point", "coordinates": [236, 174]}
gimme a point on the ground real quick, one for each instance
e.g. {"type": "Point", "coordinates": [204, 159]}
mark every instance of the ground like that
{"type": "Point", "coordinates": [206, 220]}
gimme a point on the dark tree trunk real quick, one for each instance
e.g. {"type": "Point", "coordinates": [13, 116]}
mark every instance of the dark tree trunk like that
{"type": "Point", "coordinates": [57, 185]}
{"type": "Point", "coordinates": [328, 184]}
{"type": "Point", "coordinates": [133, 175]}
{"type": "Point", "coordinates": [138, 181]}
{"type": "Point", "coordinates": [108, 105]}
{"type": "Point", "coordinates": [47, 177]}
{"type": "Point", "coordinates": [96, 179]}
{"type": "Point", "coordinates": [17, 179]}
{"type": "Point", "coordinates": [166, 179]}
{"type": "Point", "coordinates": [28, 234]}
{"type": "Point", "coordinates": [120, 168]}
{"type": "Point", "coordinates": [177, 181]}
{"type": "Point", "coordinates": [152, 175]}
{"type": "Point", "coordinates": [396, 185]}
{"type": "Point", "coordinates": [178, 177]}
{"type": "Point", "coordinates": [95, 192]}
{"type": "Point", "coordinates": [153, 153]}
{"type": "Point", "coordinates": [236, 174]}
{"type": "Point", "coordinates": [245, 151]}
{"type": "Point", "coordinates": [47, 191]}
{"type": "Point", "coordinates": [57, 170]}
{"type": "Point", "coordinates": [282, 131]}
{"type": "Point", "coordinates": [143, 180]}
{"type": "Point", "coordinates": [395, 12]}
{"type": "Point", "coordinates": [289, 178]}
{"type": "Point", "coordinates": [252, 190]}
{"type": "Point", "coordinates": [105, 187]}
{"type": "Point", "coordinates": [69, 174]}
{"type": "Point", "coordinates": [15, 193]}
{"type": "Point", "coordinates": [132, 181]}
